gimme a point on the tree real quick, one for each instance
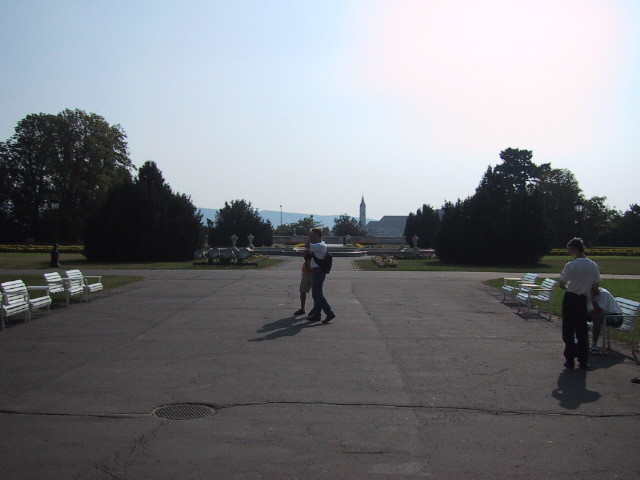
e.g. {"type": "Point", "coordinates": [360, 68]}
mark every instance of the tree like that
{"type": "Point", "coordinates": [301, 227]}
{"type": "Point", "coordinates": [346, 225]}
{"type": "Point", "coordinates": [241, 219]}
{"type": "Point", "coordinates": [144, 221]}
{"type": "Point", "coordinates": [501, 224]}
{"type": "Point", "coordinates": [73, 157]}
{"type": "Point", "coordinates": [597, 220]}
{"type": "Point", "coordinates": [517, 169]}
{"type": "Point", "coordinates": [423, 224]}
{"type": "Point", "coordinates": [560, 193]}
{"type": "Point", "coordinates": [625, 231]}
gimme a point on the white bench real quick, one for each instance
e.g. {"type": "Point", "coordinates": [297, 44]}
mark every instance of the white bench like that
{"type": "Point", "coordinates": [512, 285]}
{"type": "Point", "coordinates": [57, 284]}
{"type": "Point", "coordinates": [16, 300]}
{"type": "Point", "coordinates": [528, 297]}
{"type": "Point", "coordinates": [90, 283]}
{"type": "Point", "coordinates": [630, 313]}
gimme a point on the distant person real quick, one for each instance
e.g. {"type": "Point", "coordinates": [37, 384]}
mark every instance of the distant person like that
{"type": "Point", "coordinates": [603, 304]}
{"type": "Point", "coordinates": [317, 250]}
{"type": "Point", "coordinates": [580, 278]}
{"type": "Point", "coordinates": [305, 285]}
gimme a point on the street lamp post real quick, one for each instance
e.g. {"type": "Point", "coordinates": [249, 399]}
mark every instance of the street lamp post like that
{"type": "Point", "coordinates": [280, 215]}
{"type": "Point", "coordinates": [579, 208]}
{"type": "Point", "coordinates": [55, 255]}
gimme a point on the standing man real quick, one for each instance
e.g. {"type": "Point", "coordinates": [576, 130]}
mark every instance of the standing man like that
{"type": "Point", "coordinates": [580, 278]}
{"type": "Point", "coordinates": [317, 249]}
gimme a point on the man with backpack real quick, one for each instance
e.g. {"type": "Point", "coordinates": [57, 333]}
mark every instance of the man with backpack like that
{"type": "Point", "coordinates": [321, 261]}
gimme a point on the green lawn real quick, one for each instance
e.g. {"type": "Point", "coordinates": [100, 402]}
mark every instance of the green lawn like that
{"type": "Point", "coordinates": [77, 260]}
{"type": "Point", "coordinates": [551, 263]}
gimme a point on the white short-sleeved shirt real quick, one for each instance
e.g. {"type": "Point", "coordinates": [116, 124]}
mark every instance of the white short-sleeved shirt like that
{"type": "Point", "coordinates": [579, 275]}
{"type": "Point", "coordinates": [319, 250]}
{"type": "Point", "coordinates": [607, 303]}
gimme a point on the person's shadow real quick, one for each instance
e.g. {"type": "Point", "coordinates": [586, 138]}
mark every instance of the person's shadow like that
{"type": "Point", "coordinates": [572, 390]}
{"type": "Point", "coordinates": [285, 327]}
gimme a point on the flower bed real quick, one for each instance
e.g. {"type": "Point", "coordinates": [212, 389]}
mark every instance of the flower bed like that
{"type": "Point", "coordinates": [605, 252]}
{"type": "Point", "coordinates": [384, 261]}
{"type": "Point", "coordinates": [17, 248]}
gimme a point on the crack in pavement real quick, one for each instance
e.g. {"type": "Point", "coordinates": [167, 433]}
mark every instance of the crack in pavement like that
{"type": "Point", "coordinates": [429, 407]}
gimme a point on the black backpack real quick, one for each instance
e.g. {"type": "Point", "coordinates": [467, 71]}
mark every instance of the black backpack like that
{"type": "Point", "coordinates": [326, 263]}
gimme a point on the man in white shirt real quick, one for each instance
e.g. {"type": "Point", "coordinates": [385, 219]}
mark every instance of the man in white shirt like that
{"type": "Point", "coordinates": [580, 278]}
{"type": "Point", "coordinates": [318, 250]}
{"type": "Point", "coordinates": [603, 304]}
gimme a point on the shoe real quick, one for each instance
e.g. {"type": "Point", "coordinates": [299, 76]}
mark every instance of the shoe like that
{"type": "Point", "coordinates": [635, 380]}
{"type": "Point", "coordinates": [330, 316]}
{"type": "Point", "coordinates": [313, 318]}
{"type": "Point", "coordinates": [594, 351]}
{"type": "Point", "coordinates": [299, 312]}
{"type": "Point", "coordinates": [569, 365]}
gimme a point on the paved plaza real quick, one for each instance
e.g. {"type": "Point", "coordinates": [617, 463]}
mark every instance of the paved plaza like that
{"type": "Point", "coordinates": [421, 375]}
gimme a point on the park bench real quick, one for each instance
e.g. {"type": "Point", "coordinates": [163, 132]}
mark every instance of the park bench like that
{"type": "Point", "coordinates": [57, 284]}
{"type": "Point", "coordinates": [90, 283]}
{"type": "Point", "coordinates": [512, 285]}
{"type": "Point", "coordinates": [630, 312]}
{"type": "Point", "coordinates": [16, 300]}
{"type": "Point", "coordinates": [529, 296]}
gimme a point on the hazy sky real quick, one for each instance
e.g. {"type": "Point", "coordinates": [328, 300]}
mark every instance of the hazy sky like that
{"type": "Point", "coordinates": [311, 104]}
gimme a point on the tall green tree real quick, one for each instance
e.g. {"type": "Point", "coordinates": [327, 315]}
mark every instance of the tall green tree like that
{"type": "Point", "coordinates": [73, 157]}
{"type": "Point", "coordinates": [347, 225]}
{"type": "Point", "coordinates": [423, 224]}
{"type": "Point", "coordinates": [518, 170]}
{"type": "Point", "coordinates": [560, 192]}
{"type": "Point", "coordinates": [501, 224]}
{"type": "Point", "coordinates": [144, 221]}
{"type": "Point", "coordinates": [597, 220]}
{"type": "Point", "coordinates": [241, 219]}
{"type": "Point", "coordinates": [625, 230]}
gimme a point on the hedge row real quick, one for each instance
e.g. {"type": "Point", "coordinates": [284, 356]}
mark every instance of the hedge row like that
{"type": "Point", "coordinates": [605, 252]}
{"type": "Point", "coordinates": [40, 248]}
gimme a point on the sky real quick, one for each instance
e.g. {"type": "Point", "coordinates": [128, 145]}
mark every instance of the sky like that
{"type": "Point", "coordinates": [313, 104]}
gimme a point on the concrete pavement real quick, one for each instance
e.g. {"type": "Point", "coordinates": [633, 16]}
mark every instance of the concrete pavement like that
{"type": "Point", "coordinates": [421, 375]}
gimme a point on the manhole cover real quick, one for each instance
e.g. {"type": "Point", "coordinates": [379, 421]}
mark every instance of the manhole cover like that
{"type": "Point", "coordinates": [184, 411]}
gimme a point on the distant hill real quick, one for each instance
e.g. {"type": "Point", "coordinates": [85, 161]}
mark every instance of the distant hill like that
{"type": "Point", "coordinates": [274, 216]}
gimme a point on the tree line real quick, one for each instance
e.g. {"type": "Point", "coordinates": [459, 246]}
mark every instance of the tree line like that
{"type": "Point", "coordinates": [518, 212]}
{"type": "Point", "coordinates": [80, 163]}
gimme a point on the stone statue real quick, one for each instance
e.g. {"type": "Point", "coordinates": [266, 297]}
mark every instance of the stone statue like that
{"type": "Point", "coordinates": [250, 238]}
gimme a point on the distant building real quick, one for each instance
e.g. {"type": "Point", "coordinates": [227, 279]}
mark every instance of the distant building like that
{"type": "Point", "coordinates": [387, 226]}
{"type": "Point", "coordinates": [363, 213]}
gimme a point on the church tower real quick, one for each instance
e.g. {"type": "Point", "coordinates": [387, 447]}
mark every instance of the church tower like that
{"type": "Point", "coordinates": [363, 213]}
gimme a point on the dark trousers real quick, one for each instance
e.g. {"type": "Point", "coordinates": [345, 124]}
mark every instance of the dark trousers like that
{"type": "Point", "coordinates": [574, 327]}
{"type": "Point", "coordinates": [319, 302]}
